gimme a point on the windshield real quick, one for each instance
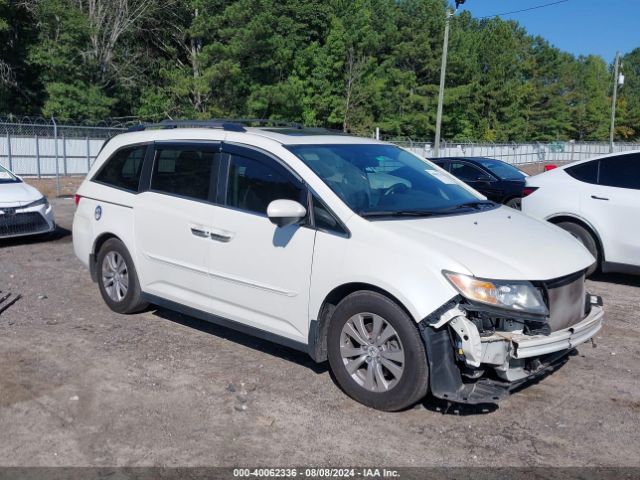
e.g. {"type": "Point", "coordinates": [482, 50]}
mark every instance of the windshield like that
{"type": "Point", "coordinates": [7, 177]}
{"type": "Point", "coordinates": [380, 180]}
{"type": "Point", "coordinates": [501, 169]}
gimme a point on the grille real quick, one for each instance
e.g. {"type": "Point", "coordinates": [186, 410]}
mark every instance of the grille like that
{"type": "Point", "coordinates": [566, 301]}
{"type": "Point", "coordinates": [22, 224]}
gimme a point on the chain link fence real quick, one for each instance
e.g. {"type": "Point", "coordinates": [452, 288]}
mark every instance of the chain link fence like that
{"type": "Point", "coordinates": [559, 152]}
{"type": "Point", "coordinates": [46, 147]}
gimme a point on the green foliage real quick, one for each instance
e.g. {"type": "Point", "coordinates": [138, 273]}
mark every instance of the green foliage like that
{"type": "Point", "coordinates": [353, 65]}
{"type": "Point", "coordinates": [76, 101]}
{"type": "Point", "coordinates": [19, 83]}
{"type": "Point", "coordinates": [628, 121]}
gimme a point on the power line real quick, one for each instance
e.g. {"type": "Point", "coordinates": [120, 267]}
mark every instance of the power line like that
{"type": "Point", "coordinates": [524, 10]}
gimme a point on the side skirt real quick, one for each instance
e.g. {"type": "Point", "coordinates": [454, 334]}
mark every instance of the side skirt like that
{"type": "Point", "coordinates": [224, 322]}
{"type": "Point", "coordinates": [610, 267]}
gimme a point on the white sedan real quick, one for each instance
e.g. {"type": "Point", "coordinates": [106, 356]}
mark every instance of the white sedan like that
{"type": "Point", "coordinates": [23, 209]}
{"type": "Point", "coordinates": [598, 202]}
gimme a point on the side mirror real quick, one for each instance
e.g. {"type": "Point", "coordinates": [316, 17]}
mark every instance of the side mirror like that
{"type": "Point", "coordinates": [285, 212]}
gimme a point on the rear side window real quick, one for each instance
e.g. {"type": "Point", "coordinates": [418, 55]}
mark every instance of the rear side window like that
{"type": "Point", "coordinates": [585, 172]}
{"type": "Point", "coordinates": [621, 171]}
{"type": "Point", "coordinates": [254, 184]}
{"type": "Point", "coordinates": [183, 171]}
{"type": "Point", "coordinates": [122, 169]}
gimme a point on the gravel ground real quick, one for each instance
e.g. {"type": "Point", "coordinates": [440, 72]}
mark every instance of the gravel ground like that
{"type": "Point", "coordinates": [80, 386]}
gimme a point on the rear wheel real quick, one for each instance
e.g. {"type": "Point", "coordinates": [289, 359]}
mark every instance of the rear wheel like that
{"type": "Point", "coordinates": [587, 239]}
{"type": "Point", "coordinates": [515, 203]}
{"type": "Point", "coordinates": [118, 279]}
{"type": "Point", "coordinates": [376, 353]}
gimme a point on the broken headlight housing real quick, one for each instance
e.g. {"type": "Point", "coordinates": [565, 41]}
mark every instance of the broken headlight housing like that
{"type": "Point", "coordinates": [521, 296]}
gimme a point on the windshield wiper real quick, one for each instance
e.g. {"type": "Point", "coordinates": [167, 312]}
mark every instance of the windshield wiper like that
{"type": "Point", "coordinates": [478, 204]}
{"type": "Point", "coordinates": [398, 213]}
{"type": "Point", "coordinates": [425, 213]}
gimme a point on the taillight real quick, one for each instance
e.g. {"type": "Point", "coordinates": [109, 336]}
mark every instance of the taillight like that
{"type": "Point", "coordinates": [76, 198]}
{"type": "Point", "coordinates": [549, 167]}
{"type": "Point", "coordinates": [526, 191]}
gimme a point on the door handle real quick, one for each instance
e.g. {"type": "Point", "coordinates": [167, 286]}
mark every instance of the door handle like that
{"type": "Point", "coordinates": [198, 232]}
{"type": "Point", "coordinates": [598, 198]}
{"type": "Point", "coordinates": [221, 235]}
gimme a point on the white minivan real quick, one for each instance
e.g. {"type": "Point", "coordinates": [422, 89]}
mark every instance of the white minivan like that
{"type": "Point", "coordinates": [356, 251]}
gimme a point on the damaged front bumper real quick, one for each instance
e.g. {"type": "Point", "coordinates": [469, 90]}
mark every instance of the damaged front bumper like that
{"type": "Point", "coordinates": [525, 346]}
{"type": "Point", "coordinates": [468, 367]}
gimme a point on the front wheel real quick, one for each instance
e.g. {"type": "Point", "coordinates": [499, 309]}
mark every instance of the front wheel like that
{"type": "Point", "coordinates": [118, 279]}
{"type": "Point", "coordinates": [376, 353]}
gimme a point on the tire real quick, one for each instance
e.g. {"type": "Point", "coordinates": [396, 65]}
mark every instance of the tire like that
{"type": "Point", "coordinates": [515, 203]}
{"type": "Point", "coordinates": [375, 381]}
{"type": "Point", "coordinates": [120, 292]}
{"type": "Point", "coordinates": [587, 239]}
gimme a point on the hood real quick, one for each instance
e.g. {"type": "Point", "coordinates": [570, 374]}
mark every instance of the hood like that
{"type": "Point", "coordinates": [17, 194]}
{"type": "Point", "coordinates": [501, 244]}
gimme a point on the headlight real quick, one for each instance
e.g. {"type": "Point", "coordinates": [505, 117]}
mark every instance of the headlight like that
{"type": "Point", "coordinates": [41, 201]}
{"type": "Point", "coordinates": [521, 296]}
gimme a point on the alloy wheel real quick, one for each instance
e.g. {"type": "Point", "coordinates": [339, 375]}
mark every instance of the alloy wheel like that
{"type": "Point", "coordinates": [115, 276]}
{"type": "Point", "coordinates": [372, 352]}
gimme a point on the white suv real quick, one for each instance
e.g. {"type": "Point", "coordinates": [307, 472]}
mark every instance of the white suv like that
{"type": "Point", "coordinates": [352, 250]}
{"type": "Point", "coordinates": [598, 202]}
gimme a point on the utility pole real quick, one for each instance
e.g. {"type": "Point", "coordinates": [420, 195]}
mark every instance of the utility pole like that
{"type": "Point", "coordinates": [616, 80]}
{"type": "Point", "coordinates": [443, 73]}
{"type": "Point", "coordinates": [55, 139]}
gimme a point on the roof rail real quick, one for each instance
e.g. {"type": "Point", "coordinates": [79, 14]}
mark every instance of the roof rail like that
{"type": "Point", "coordinates": [167, 124]}
{"type": "Point", "coordinates": [263, 122]}
{"type": "Point", "coordinates": [229, 124]}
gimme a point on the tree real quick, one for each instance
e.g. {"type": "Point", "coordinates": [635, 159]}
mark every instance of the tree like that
{"type": "Point", "coordinates": [352, 65]}
{"type": "Point", "coordinates": [588, 98]}
{"type": "Point", "coordinates": [628, 113]}
{"type": "Point", "coordinates": [19, 83]}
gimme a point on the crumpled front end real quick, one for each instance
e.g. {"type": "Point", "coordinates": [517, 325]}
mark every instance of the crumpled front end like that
{"type": "Point", "coordinates": [478, 353]}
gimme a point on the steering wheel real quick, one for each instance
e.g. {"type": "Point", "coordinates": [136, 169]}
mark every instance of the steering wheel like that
{"type": "Point", "coordinates": [395, 188]}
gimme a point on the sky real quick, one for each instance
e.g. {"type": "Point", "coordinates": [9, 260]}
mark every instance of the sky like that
{"type": "Point", "coordinates": [581, 27]}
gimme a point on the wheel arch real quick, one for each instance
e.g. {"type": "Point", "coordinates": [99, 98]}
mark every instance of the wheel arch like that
{"type": "Point", "coordinates": [97, 245]}
{"type": "Point", "coordinates": [318, 328]}
{"type": "Point", "coordinates": [510, 196]}
{"type": "Point", "coordinates": [584, 224]}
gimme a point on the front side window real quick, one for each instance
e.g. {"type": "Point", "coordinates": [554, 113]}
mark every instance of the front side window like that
{"type": "Point", "coordinates": [381, 180]}
{"type": "Point", "coordinates": [585, 172]}
{"type": "Point", "coordinates": [254, 184]}
{"type": "Point", "coordinates": [622, 171]}
{"type": "Point", "coordinates": [324, 219]}
{"type": "Point", "coordinates": [7, 177]}
{"type": "Point", "coordinates": [183, 171]}
{"type": "Point", "coordinates": [122, 169]}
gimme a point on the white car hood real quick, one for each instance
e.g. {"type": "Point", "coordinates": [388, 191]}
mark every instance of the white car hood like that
{"type": "Point", "coordinates": [498, 244]}
{"type": "Point", "coordinates": [17, 194]}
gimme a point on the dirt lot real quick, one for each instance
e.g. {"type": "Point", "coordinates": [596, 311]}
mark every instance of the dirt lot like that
{"type": "Point", "coordinates": [80, 385]}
